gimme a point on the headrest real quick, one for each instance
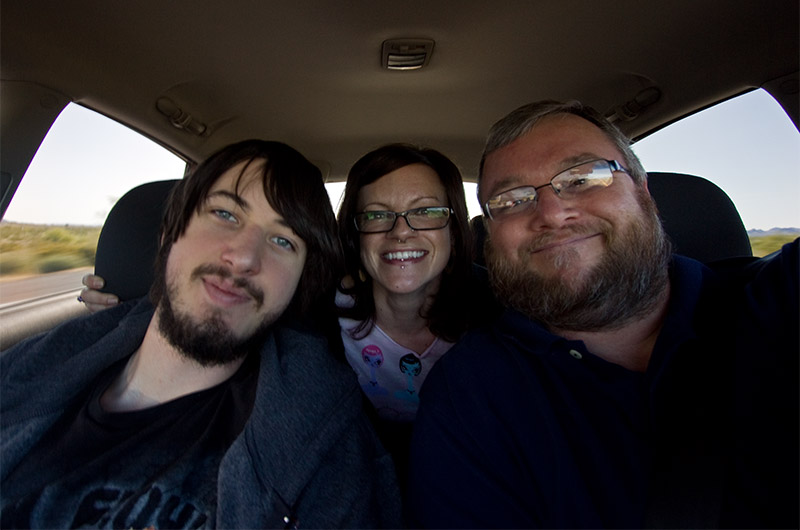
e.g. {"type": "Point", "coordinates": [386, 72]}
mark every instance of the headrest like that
{"type": "Point", "coordinates": [479, 234]}
{"type": "Point", "coordinates": [698, 216]}
{"type": "Point", "coordinates": [128, 242]}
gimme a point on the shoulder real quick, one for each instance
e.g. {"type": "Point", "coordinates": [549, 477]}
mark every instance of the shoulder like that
{"type": "Point", "coordinates": [739, 306]}
{"type": "Point", "coordinates": [82, 332]}
{"type": "Point", "coordinates": [302, 389]}
{"type": "Point", "coordinates": [483, 360]}
{"type": "Point", "coordinates": [298, 366]}
{"type": "Point", "coordinates": [779, 269]}
{"type": "Point", "coordinates": [771, 281]}
{"type": "Point", "coordinates": [782, 265]}
{"type": "Point", "coordinates": [498, 341]}
{"type": "Point", "coordinates": [305, 356]}
{"type": "Point", "coordinates": [307, 430]}
{"type": "Point", "coordinates": [63, 359]}
{"type": "Point", "coordinates": [483, 301]}
{"type": "Point", "coordinates": [344, 300]}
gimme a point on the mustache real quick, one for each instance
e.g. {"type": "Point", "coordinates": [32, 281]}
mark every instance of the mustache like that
{"type": "Point", "coordinates": [242, 283]}
{"type": "Point", "coordinates": [537, 241]}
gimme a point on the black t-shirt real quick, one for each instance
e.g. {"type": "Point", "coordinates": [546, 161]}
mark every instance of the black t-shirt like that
{"type": "Point", "coordinates": [152, 467]}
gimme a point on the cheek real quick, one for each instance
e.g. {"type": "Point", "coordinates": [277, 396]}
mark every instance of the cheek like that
{"type": "Point", "coordinates": [504, 238]}
{"type": "Point", "coordinates": [197, 245]}
{"type": "Point", "coordinates": [178, 261]}
{"type": "Point", "coordinates": [293, 271]}
{"type": "Point", "coordinates": [280, 283]}
{"type": "Point", "coordinates": [444, 246]}
{"type": "Point", "coordinates": [367, 254]}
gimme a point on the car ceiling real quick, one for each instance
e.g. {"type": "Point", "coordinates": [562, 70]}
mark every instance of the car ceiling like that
{"type": "Point", "coordinates": [309, 72]}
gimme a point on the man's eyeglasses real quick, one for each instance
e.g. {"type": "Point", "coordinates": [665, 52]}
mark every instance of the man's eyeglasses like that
{"type": "Point", "coordinates": [427, 218]}
{"type": "Point", "coordinates": [568, 184]}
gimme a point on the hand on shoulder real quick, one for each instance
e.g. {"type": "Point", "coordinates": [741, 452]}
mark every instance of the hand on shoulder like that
{"type": "Point", "coordinates": [92, 298]}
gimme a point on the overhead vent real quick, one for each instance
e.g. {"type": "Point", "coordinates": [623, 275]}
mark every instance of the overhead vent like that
{"type": "Point", "coordinates": [406, 54]}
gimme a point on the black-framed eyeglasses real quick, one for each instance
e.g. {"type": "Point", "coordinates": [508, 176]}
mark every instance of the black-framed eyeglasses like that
{"type": "Point", "coordinates": [426, 218]}
{"type": "Point", "coordinates": [568, 184]}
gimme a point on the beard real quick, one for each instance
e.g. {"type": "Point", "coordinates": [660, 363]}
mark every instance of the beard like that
{"type": "Point", "coordinates": [207, 340]}
{"type": "Point", "coordinates": [626, 284]}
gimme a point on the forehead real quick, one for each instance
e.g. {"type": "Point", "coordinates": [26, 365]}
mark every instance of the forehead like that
{"type": "Point", "coordinates": [241, 177]}
{"type": "Point", "coordinates": [242, 185]}
{"type": "Point", "coordinates": [407, 183]}
{"type": "Point", "coordinates": [552, 145]}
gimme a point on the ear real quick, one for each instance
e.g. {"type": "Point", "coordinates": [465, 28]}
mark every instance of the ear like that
{"type": "Point", "coordinates": [644, 185]}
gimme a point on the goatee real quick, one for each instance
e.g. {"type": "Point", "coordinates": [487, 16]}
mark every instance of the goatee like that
{"type": "Point", "coordinates": [207, 340]}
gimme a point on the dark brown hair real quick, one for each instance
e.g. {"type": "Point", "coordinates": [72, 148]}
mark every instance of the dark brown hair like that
{"type": "Point", "coordinates": [293, 186]}
{"type": "Point", "coordinates": [448, 315]}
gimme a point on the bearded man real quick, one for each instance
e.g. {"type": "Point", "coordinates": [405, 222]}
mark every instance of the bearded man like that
{"type": "Point", "coordinates": [624, 386]}
{"type": "Point", "coordinates": [208, 405]}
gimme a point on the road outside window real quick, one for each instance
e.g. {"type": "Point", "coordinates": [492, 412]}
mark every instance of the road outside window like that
{"type": "Point", "coordinates": [49, 233]}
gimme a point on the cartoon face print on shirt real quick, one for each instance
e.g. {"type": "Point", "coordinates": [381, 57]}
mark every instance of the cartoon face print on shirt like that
{"type": "Point", "coordinates": [373, 357]}
{"type": "Point", "coordinates": [412, 367]}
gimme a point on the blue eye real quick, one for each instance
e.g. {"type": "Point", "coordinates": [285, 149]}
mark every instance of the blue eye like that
{"type": "Point", "coordinates": [225, 215]}
{"type": "Point", "coordinates": [283, 242]}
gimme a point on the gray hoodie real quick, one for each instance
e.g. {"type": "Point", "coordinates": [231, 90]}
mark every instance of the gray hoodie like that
{"type": "Point", "coordinates": [307, 456]}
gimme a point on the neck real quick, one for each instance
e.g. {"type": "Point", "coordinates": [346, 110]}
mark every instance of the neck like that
{"type": "Point", "coordinates": [630, 345]}
{"type": "Point", "coordinates": [399, 316]}
{"type": "Point", "coordinates": [157, 373]}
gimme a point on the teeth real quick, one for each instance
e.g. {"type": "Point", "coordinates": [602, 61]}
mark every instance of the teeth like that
{"type": "Point", "coordinates": [402, 256]}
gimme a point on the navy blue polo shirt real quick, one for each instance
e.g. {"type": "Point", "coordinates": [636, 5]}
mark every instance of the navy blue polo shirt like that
{"type": "Point", "coordinates": [522, 428]}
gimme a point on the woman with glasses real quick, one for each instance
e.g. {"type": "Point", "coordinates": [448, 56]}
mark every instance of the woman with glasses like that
{"type": "Point", "coordinates": [410, 291]}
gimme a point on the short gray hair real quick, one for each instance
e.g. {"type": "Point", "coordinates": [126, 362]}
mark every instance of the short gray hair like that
{"type": "Point", "coordinates": [520, 121]}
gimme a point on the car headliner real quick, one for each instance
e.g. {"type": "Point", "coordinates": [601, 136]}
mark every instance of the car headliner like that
{"type": "Point", "coordinates": [309, 73]}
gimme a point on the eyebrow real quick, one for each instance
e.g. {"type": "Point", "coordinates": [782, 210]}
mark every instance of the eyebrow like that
{"type": "Point", "coordinates": [378, 204]}
{"type": "Point", "coordinates": [576, 160]}
{"type": "Point", "coordinates": [244, 205]}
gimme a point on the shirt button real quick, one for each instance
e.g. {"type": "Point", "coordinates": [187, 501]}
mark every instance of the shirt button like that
{"type": "Point", "coordinates": [576, 354]}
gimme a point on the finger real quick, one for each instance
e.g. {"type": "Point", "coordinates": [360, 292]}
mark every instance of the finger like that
{"type": "Point", "coordinates": [93, 281]}
{"type": "Point", "coordinates": [97, 299]}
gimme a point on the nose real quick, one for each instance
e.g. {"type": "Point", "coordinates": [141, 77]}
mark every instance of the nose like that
{"type": "Point", "coordinates": [551, 210]}
{"type": "Point", "coordinates": [401, 229]}
{"type": "Point", "coordinates": [243, 251]}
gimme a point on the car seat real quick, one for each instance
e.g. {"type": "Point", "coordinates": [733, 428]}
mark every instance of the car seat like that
{"type": "Point", "coordinates": [699, 217]}
{"type": "Point", "coordinates": [128, 242]}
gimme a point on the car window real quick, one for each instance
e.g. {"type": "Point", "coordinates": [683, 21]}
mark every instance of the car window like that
{"type": "Point", "coordinates": [49, 232]}
{"type": "Point", "coordinates": [750, 148]}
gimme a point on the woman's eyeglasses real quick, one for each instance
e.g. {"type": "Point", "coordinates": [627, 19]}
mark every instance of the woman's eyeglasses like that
{"type": "Point", "coordinates": [426, 218]}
